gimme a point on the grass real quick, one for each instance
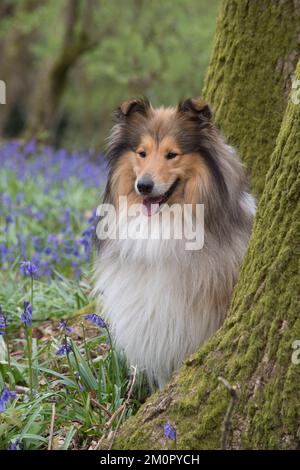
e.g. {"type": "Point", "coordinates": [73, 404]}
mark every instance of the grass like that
{"type": "Point", "coordinates": [62, 385]}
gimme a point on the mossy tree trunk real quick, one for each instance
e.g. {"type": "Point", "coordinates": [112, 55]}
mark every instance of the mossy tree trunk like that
{"type": "Point", "coordinates": [257, 47]}
{"type": "Point", "coordinates": [253, 349]}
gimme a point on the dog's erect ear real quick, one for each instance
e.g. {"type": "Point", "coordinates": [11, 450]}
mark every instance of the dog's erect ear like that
{"type": "Point", "coordinates": [197, 107]}
{"type": "Point", "coordinates": [133, 106]}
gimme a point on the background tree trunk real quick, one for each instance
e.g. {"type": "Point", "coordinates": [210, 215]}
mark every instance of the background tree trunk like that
{"type": "Point", "coordinates": [54, 75]}
{"type": "Point", "coordinates": [253, 349]}
{"type": "Point", "coordinates": [16, 69]}
{"type": "Point", "coordinates": [257, 46]}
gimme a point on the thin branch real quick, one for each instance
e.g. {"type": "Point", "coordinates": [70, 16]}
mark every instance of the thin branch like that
{"type": "Point", "coordinates": [97, 404]}
{"type": "Point", "coordinates": [126, 403]}
{"type": "Point", "coordinates": [228, 415]}
{"type": "Point", "coordinates": [121, 410]}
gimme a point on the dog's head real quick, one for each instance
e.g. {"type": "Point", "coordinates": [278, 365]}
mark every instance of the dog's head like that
{"type": "Point", "coordinates": [163, 155]}
{"type": "Point", "coordinates": [168, 156]}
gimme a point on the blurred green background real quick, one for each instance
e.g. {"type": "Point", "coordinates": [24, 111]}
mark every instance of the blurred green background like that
{"type": "Point", "coordinates": [68, 63]}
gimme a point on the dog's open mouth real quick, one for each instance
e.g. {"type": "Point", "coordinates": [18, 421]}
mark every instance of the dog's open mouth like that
{"type": "Point", "coordinates": [153, 204]}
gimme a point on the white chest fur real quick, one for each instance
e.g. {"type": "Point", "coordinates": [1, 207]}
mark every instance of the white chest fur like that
{"type": "Point", "coordinates": [161, 301]}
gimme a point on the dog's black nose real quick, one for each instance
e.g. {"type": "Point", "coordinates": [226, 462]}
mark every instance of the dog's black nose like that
{"type": "Point", "coordinates": [145, 184]}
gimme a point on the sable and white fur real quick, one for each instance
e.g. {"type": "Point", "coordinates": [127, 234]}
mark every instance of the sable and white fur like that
{"type": "Point", "coordinates": [162, 301]}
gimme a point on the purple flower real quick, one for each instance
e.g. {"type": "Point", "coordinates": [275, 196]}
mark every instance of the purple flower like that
{"type": "Point", "coordinates": [88, 232]}
{"type": "Point", "coordinates": [9, 219]}
{"type": "Point", "coordinates": [63, 327]}
{"type": "Point", "coordinates": [7, 395]}
{"type": "Point", "coordinates": [52, 238]}
{"type": "Point", "coordinates": [3, 322]}
{"type": "Point", "coordinates": [19, 197]}
{"type": "Point", "coordinates": [26, 315]}
{"type": "Point", "coordinates": [28, 268]}
{"type": "Point", "coordinates": [5, 398]}
{"type": "Point", "coordinates": [64, 349]}
{"type": "Point", "coordinates": [30, 146]}
{"type": "Point", "coordinates": [96, 319]}
{"type": "Point", "coordinates": [15, 445]}
{"type": "Point", "coordinates": [170, 431]}
{"type": "Point", "coordinates": [37, 242]}
{"type": "Point", "coordinates": [39, 216]}
{"type": "Point", "coordinates": [6, 199]}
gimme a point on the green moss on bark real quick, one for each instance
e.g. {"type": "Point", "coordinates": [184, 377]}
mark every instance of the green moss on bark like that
{"type": "Point", "coordinates": [257, 46]}
{"type": "Point", "coordinates": [253, 349]}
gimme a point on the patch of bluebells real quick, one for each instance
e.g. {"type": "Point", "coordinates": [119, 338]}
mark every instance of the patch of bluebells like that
{"type": "Point", "coordinates": [95, 319]}
{"type": "Point", "coordinates": [67, 245]}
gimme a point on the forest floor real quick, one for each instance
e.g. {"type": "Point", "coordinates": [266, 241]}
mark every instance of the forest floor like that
{"type": "Point", "coordinates": [62, 385]}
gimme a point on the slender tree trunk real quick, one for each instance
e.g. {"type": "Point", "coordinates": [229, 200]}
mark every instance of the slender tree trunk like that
{"type": "Point", "coordinates": [54, 75]}
{"type": "Point", "coordinates": [257, 46]}
{"type": "Point", "coordinates": [16, 69]}
{"type": "Point", "coordinates": [253, 349]}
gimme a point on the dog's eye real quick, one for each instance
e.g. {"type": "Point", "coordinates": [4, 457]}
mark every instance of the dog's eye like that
{"type": "Point", "coordinates": [142, 154]}
{"type": "Point", "coordinates": [171, 155]}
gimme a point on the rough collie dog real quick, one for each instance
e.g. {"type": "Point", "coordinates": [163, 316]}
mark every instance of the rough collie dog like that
{"type": "Point", "coordinates": [162, 300]}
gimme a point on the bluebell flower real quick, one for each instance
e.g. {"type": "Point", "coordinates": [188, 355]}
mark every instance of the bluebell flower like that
{"type": "Point", "coordinates": [76, 252]}
{"type": "Point", "coordinates": [96, 319]}
{"type": "Point", "coordinates": [3, 250]}
{"type": "Point", "coordinates": [37, 243]}
{"type": "Point", "coordinates": [52, 239]}
{"type": "Point", "coordinates": [3, 322]}
{"type": "Point", "coordinates": [19, 197]}
{"type": "Point", "coordinates": [28, 268]}
{"type": "Point", "coordinates": [86, 243]}
{"type": "Point", "coordinates": [39, 216]}
{"type": "Point", "coordinates": [9, 219]}
{"type": "Point", "coordinates": [93, 218]}
{"type": "Point", "coordinates": [5, 397]}
{"type": "Point", "coordinates": [64, 327]}
{"type": "Point", "coordinates": [88, 232]}
{"type": "Point", "coordinates": [6, 199]}
{"type": "Point", "coordinates": [15, 445]}
{"type": "Point", "coordinates": [26, 314]}
{"type": "Point", "coordinates": [56, 258]}
{"type": "Point", "coordinates": [66, 220]}
{"type": "Point", "coordinates": [170, 431]}
{"type": "Point", "coordinates": [64, 349]}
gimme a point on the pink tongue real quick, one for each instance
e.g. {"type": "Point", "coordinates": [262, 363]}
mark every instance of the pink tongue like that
{"type": "Point", "coordinates": [151, 205]}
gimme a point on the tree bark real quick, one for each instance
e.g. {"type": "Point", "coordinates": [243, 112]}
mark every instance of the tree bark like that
{"type": "Point", "coordinates": [257, 46]}
{"type": "Point", "coordinates": [253, 349]}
